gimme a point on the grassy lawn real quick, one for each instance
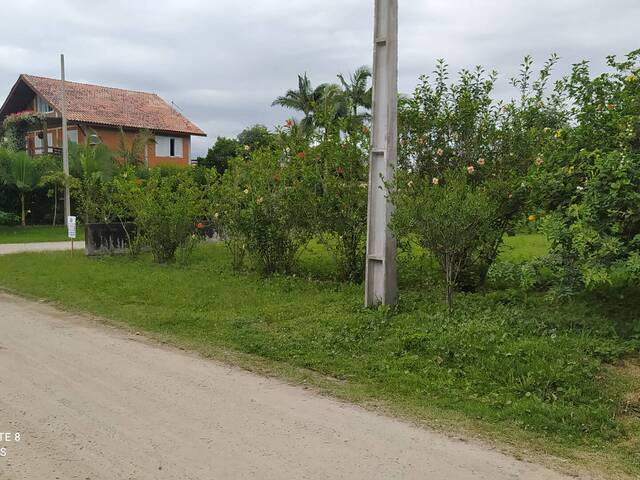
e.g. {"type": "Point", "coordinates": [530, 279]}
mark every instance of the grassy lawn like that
{"type": "Point", "coordinates": [36, 233]}
{"type": "Point", "coordinates": [524, 247]}
{"type": "Point", "coordinates": [509, 366]}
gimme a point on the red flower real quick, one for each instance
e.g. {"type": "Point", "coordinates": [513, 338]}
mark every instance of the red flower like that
{"type": "Point", "coordinates": [199, 225]}
{"type": "Point", "coordinates": [365, 130]}
{"type": "Point", "coordinates": [301, 155]}
{"type": "Point", "coordinates": [289, 123]}
{"type": "Point", "coordinates": [276, 178]}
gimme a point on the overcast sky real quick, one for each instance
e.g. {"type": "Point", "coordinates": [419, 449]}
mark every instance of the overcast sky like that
{"type": "Point", "coordinates": [224, 61]}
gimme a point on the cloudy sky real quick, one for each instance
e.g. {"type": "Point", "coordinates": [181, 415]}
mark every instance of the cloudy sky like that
{"type": "Point", "coordinates": [223, 61]}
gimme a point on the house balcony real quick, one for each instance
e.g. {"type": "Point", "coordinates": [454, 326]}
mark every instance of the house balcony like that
{"type": "Point", "coordinates": [39, 151]}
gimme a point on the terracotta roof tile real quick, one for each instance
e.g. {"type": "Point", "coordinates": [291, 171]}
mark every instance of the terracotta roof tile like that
{"type": "Point", "coordinates": [112, 106]}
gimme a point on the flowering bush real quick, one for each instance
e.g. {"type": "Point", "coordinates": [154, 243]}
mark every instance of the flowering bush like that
{"type": "Point", "coordinates": [588, 174]}
{"type": "Point", "coordinates": [341, 169]}
{"type": "Point", "coordinates": [450, 128]}
{"type": "Point", "coordinates": [262, 207]}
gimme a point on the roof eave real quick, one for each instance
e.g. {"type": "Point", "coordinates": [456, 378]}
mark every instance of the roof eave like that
{"type": "Point", "coordinates": [197, 133]}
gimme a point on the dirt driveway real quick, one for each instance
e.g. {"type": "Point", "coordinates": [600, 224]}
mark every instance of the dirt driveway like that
{"type": "Point", "coordinates": [93, 402]}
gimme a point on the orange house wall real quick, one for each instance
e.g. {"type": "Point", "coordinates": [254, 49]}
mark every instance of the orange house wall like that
{"type": "Point", "coordinates": [111, 138]}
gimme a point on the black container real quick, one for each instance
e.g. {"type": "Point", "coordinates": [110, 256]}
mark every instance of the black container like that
{"type": "Point", "coordinates": [108, 238]}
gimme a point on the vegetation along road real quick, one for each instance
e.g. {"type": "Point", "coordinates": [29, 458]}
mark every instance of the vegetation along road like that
{"type": "Point", "coordinates": [93, 402]}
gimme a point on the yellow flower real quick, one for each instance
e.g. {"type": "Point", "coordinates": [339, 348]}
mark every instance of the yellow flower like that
{"type": "Point", "coordinates": [364, 185]}
{"type": "Point", "coordinates": [246, 191]}
{"type": "Point", "coordinates": [435, 181]}
{"type": "Point", "coordinates": [531, 218]}
{"type": "Point", "coordinates": [410, 184]}
{"type": "Point", "coordinates": [259, 200]}
{"type": "Point", "coordinates": [558, 134]}
{"type": "Point", "coordinates": [631, 78]}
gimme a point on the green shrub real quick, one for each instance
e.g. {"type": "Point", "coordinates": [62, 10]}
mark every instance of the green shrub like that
{"type": "Point", "coordinates": [523, 275]}
{"type": "Point", "coordinates": [166, 210]}
{"type": "Point", "coordinates": [92, 167]}
{"type": "Point", "coordinates": [589, 175]}
{"type": "Point", "coordinates": [7, 218]}
{"type": "Point", "coordinates": [447, 127]}
{"type": "Point", "coordinates": [452, 219]}
{"type": "Point", "coordinates": [263, 208]}
{"type": "Point", "coordinates": [341, 170]}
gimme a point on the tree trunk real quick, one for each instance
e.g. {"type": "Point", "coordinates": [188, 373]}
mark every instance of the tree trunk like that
{"type": "Point", "coordinates": [449, 281]}
{"type": "Point", "coordinates": [45, 138]}
{"type": "Point", "coordinates": [24, 214]}
{"type": "Point", "coordinates": [55, 204]}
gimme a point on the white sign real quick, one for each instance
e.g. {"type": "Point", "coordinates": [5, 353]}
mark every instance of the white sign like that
{"type": "Point", "coordinates": [71, 226]}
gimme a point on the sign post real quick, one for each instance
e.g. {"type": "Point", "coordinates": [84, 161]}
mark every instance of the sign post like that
{"type": "Point", "coordinates": [65, 140]}
{"type": "Point", "coordinates": [380, 275]}
{"type": "Point", "coordinates": [71, 229]}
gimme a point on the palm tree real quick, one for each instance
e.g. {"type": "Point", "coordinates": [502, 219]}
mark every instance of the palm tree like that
{"type": "Point", "coordinates": [24, 173]}
{"type": "Point", "coordinates": [91, 166]}
{"type": "Point", "coordinates": [54, 179]}
{"type": "Point", "coordinates": [332, 105]}
{"type": "Point", "coordinates": [133, 153]}
{"type": "Point", "coordinates": [91, 161]}
{"type": "Point", "coordinates": [357, 90]}
{"type": "Point", "coordinates": [304, 99]}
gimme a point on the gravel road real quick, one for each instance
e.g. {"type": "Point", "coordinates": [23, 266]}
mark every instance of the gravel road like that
{"type": "Point", "coordinates": [94, 402]}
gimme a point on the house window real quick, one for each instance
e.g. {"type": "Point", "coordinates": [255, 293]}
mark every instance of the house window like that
{"type": "Point", "coordinates": [72, 135]}
{"type": "Point", "coordinates": [42, 105]}
{"type": "Point", "coordinates": [39, 143]}
{"type": "Point", "coordinates": [168, 146]}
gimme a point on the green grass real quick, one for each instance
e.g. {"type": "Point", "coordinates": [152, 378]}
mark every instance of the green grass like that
{"type": "Point", "coordinates": [507, 365]}
{"type": "Point", "coordinates": [523, 247]}
{"type": "Point", "coordinates": [37, 233]}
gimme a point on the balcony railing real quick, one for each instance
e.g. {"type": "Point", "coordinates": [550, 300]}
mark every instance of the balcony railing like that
{"type": "Point", "coordinates": [37, 151]}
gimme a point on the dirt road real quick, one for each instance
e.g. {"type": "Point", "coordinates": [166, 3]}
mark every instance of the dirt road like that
{"type": "Point", "coordinates": [93, 402]}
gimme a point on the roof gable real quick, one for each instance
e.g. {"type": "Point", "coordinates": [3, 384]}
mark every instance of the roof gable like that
{"type": "Point", "coordinates": [94, 104]}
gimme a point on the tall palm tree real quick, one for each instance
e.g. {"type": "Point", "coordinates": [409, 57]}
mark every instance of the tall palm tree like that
{"type": "Point", "coordinates": [304, 99]}
{"type": "Point", "coordinates": [24, 173]}
{"type": "Point", "coordinates": [357, 90]}
{"type": "Point", "coordinates": [332, 105]}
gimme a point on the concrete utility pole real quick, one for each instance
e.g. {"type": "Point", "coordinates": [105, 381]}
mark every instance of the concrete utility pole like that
{"type": "Point", "coordinates": [380, 276]}
{"type": "Point", "coordinates": [65, 144]}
